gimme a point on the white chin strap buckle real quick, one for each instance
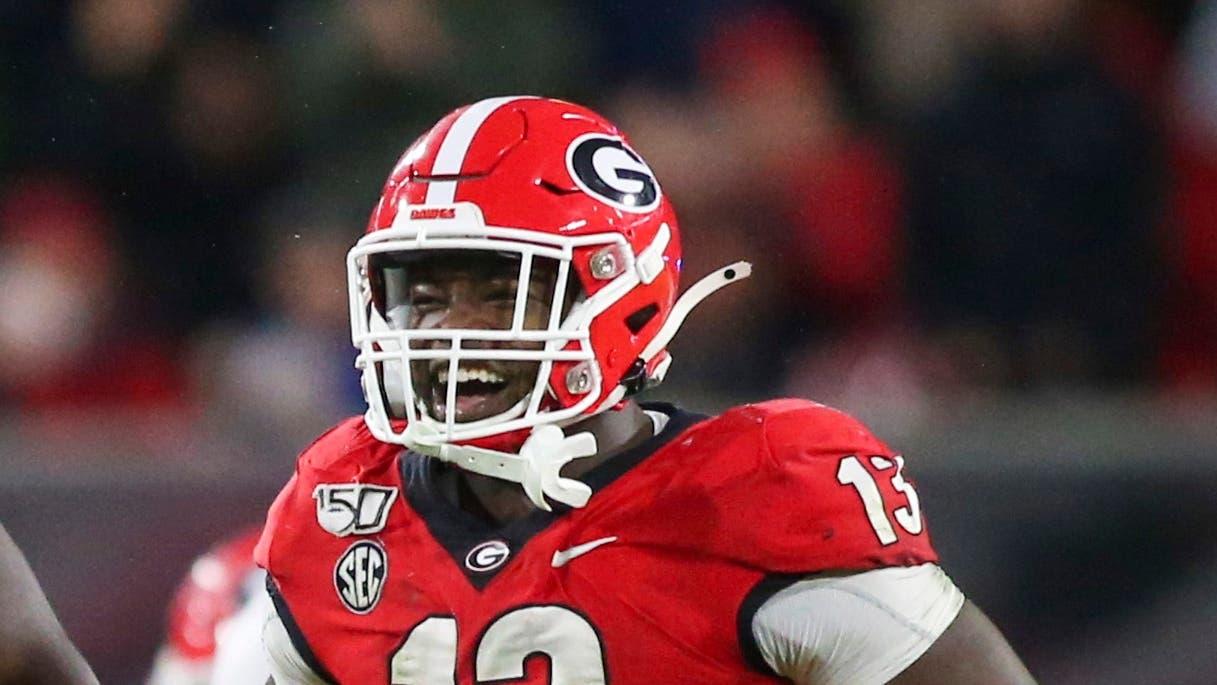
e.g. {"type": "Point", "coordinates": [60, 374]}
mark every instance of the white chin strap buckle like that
{"type": "Point", "coordinates": [537, 467]}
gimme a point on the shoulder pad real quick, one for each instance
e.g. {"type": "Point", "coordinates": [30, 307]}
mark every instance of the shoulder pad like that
{"type": "Point", "coordinates": [775, 483]}
{"type": "Point", "coordinates": [800, 428]}
{"type": "Point", "coordinates": [344, 446]}
{"type": "Point", "coordinates": [796, 428]}
{"type": "Point", "coordinates": [345, 453]}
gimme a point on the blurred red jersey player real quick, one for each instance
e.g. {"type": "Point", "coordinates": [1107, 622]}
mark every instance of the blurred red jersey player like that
{"type": "Point", "coordinates": [507, 510]}
{"type": "Point", "coordinates": [207, 640]}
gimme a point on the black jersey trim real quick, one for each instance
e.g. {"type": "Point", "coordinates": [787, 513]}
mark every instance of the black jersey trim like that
{"type": "Point", "coordinates": [459, 531]}
{"type": "Point", "coordinates": [295, 634]}
{"type": "Point", "coordinates": [679, 421]}
{"type": "Point", "coordinates": [760, 593]}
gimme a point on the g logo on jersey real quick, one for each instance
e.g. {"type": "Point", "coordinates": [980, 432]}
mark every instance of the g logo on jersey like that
{"type": "Point", "coordinates": [608, 170]}
{"type": "Point", "coordinates": [487, 556]}
{"type": "Point", "coordinates": [359, 576]}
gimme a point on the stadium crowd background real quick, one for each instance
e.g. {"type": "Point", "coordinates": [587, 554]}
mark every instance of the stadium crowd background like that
{"type": "Point", "coordinates": [989, 228]}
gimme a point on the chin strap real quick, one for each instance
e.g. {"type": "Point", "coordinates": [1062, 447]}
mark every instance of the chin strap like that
{"type": "Point", "coordinates": [711, 282]}
{"type": "Point", "coordinates": [707, 286]}
{"type": "Point", "coordinates": [537, 467]}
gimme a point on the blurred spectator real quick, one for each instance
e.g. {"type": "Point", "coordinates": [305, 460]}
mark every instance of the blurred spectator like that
{"type": "Point", "coordinates": [221, 111]}
{"type": "Point", "coordinates": [915, 52]}
{"type": "Point", "coordinates": [1134, 48]}
{"type": "Point", "coordinates": [359, 91]}
{"type": "Point", "coordinates": [273, 380]}
{"type": "Point", "coordinates": [121, 39]}
{"type": "Point", "coordinates": [1035, 203]}
{"type": "Point", "coordinates": [192, 195]}
{"type": "Point", "coordinates": [368, 76]}
{"type": "Point", "coordinates": [818, 191]}
{"type": "Point", "coordinates": [1188, 358]}
{"type": "Point", "coordinates": [67, 334]}
{"type": "Point", "coordinates": [833, 189]}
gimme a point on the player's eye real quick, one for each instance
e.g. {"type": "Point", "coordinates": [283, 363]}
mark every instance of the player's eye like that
{"type": "Point", "coordinates": [538, 292]}
{"type": "Point", "coordinates": [501, 294]}
{"type": "Point", "coordinates": [423, 299]}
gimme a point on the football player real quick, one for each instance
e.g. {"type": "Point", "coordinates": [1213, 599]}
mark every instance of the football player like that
{"type": "Point", "coordinates": [33, 646]}
{"type": "Point", "coordinates": [506, 510]}
{"type": "Point", "coordinates": [215, 620]}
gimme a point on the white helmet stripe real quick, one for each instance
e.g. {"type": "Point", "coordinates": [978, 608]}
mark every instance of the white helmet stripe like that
{"type": "Point", "coordinates": [451, 155]}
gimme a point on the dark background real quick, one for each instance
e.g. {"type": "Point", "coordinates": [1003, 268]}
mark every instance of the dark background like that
{"type": "Point", "coordinates": [988, 228]}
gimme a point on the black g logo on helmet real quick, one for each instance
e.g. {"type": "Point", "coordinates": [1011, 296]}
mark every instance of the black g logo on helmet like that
{"type": "Point", "coordinates": [611, 172]}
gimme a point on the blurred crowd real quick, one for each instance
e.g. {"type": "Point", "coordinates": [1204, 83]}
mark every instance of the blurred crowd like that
{"type": "Point", "coordinates": [941, 197]}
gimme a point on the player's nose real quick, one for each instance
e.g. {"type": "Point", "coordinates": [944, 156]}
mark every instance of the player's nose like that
{"type": "Point", "coordinates": [464, 315]}
{"type": "Point", "coordinates": [469, 314]}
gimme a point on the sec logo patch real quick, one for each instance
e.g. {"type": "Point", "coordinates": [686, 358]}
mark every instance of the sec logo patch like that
{"type": "Point", "coordinates": [359, 576]}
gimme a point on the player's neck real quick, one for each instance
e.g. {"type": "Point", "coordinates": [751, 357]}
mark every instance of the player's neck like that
{"type": "Point", "coordinates": [502, 501]}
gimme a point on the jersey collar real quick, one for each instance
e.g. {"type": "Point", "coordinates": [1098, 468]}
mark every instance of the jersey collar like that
{"type": "Point", "coordinates": [460, 531]}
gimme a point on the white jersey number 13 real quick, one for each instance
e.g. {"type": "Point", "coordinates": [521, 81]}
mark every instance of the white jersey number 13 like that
{"type": "Point", "coordinates": [851, 471]}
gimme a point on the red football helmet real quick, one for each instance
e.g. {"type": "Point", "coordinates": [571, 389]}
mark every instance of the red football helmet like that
{"type": "Point", "coordinates": [538, 181]}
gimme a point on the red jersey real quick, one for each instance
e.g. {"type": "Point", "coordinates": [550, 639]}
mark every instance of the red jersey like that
{"type": "Point", "coordinates": [655, 580]}
{"type": "Point", "coordinates": [209, 594]}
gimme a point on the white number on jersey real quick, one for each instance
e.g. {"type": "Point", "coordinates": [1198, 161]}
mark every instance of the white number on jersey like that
{"type": "Point", "coordinates": [851, 472]}
{"type": "Point", "coordinates": [428, 654]}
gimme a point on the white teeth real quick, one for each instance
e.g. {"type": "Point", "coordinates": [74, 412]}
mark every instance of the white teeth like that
{"type": "Point", "coordinates": [464, 375]}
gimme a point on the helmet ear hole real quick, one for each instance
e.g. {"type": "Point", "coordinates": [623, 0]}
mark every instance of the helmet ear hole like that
{"type": "Point", "coordinates": [640, 318]}
{"type": "Point", "coordinates": [574, 295]}
{"type": "Point", "coordinates": [376, 283]}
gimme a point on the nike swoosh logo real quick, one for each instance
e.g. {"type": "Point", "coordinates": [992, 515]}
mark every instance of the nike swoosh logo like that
{"type": "Point", "coordinates": [564, 557]}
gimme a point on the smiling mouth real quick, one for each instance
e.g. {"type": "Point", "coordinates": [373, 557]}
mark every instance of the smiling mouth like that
{"type": "Point", "coordinates": [480, 393]}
